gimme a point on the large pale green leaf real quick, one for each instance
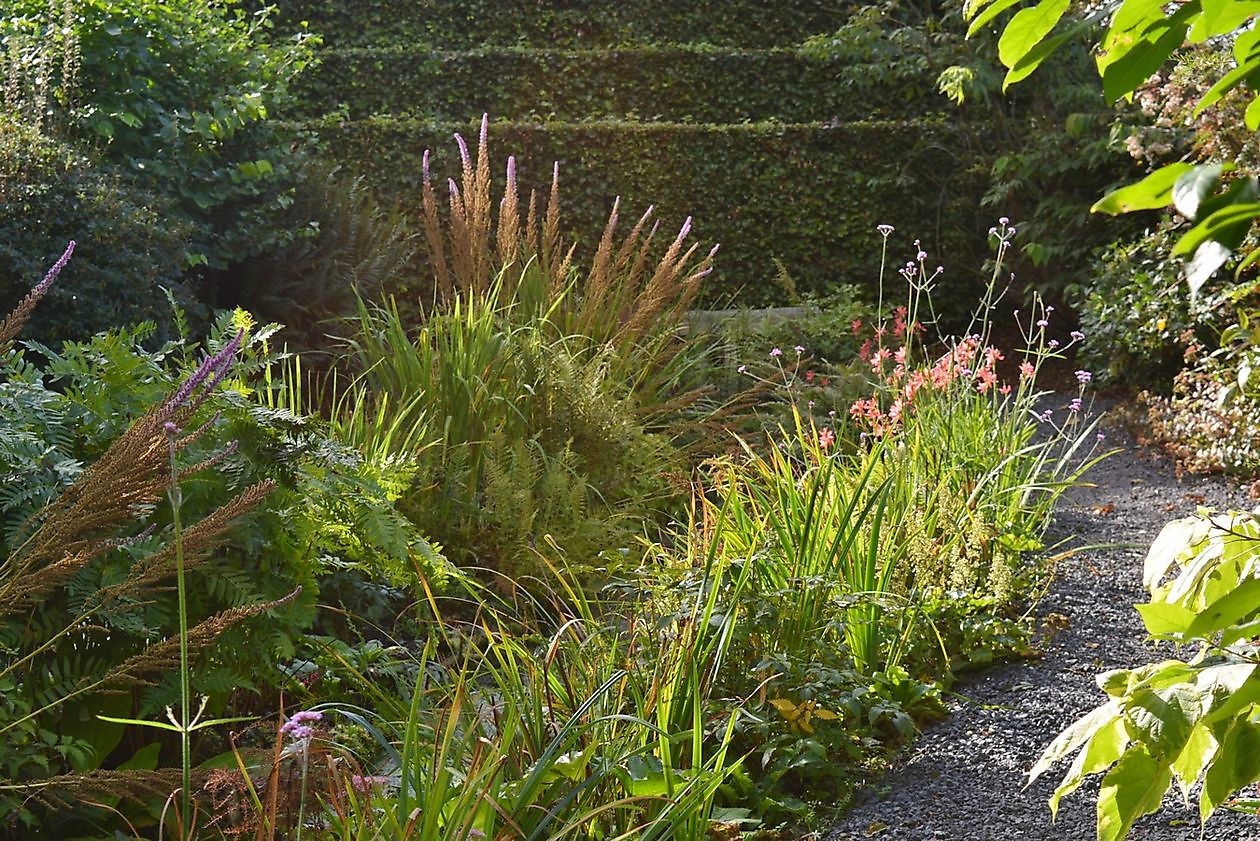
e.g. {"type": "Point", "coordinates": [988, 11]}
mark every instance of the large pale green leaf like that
{"type": "Point", "coordinates": [1163, 619]}
{"type": "Point", "coordinates": [1132, 788]}
{"type": "Point", "coordinates": [1075, 735]}
{"type": "Point", "coordinates": [1198, 751]}
{"type": "Point", "coordinates": [1241, 603]}
{"type": "Point", "coordinates": [1162, 719]}
{"type": "Point", "coordinates": [1027, 28]}
{"type": "Point", "coordinates": [1221, 17]}
{"type": "Point", "coordinates": [1103, 748]}
{"type": "Point", "coordinates": [990, 12]}
{"type": "Point", "coordinates": [1236, 764]}
{"type": "Point", "coordinates": [1144, 52]}
{"type": "Point", "coordinates": [1207, 259]}
{"type": "Point", "coordinates": [1152, 192]}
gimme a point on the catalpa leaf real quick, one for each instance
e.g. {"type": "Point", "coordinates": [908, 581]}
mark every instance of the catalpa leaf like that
{"type": "Point", "coordinates": [1152, 192]}
{"type": "Point", "coordinates": [1028, 28]}
{"type": "Point", "coordinates": [1133, 787]}
{"type": "Point", "coordinates": [1074, 736]}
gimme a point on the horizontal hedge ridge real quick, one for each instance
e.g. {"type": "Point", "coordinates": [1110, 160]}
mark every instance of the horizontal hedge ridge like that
{"type": "Point", "coordinates": [807, 194]}
{"type": "Point", "coordinates": [663, 83]}
{"type": "Point", "coordinates": [455, 24]}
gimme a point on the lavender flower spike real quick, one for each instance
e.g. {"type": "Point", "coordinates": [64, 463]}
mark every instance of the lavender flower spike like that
{"type": "Point", "coordinates": [43, 285]}
{"type": "Point", "coordinates": [210, 371]}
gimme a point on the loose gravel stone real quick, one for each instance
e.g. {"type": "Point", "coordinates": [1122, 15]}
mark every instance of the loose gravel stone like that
{"type": "Point", "coordinates": [963, 780]}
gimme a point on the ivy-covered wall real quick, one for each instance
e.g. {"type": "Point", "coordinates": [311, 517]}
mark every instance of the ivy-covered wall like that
{"type": "Point", "coordinates": [806, 194]}
{"type": "Point", "coordinates": [698, 84]}
{"type": "Point", "coordinates": [469, 24]}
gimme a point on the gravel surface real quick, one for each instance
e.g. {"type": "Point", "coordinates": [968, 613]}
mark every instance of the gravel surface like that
{"type": "Point", "coordinates": [963, 779]}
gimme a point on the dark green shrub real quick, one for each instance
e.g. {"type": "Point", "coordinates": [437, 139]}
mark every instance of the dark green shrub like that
{"type": "Point", "coordinates": [131, 242]}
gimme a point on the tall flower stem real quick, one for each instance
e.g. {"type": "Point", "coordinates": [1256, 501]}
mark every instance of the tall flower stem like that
{"type": "Point", "coordinates": [176, 497]}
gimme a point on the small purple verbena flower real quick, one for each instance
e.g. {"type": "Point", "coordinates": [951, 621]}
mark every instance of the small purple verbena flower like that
{"type": "Point", "coordinates": [776, 353]}
{"type": "Point", "coordinates": [1045, 416]}
{"type": "Point", "coordinates": [799, 349]}
{"type": "Point", "coordinates": [1102, 436]}
{"type": "Point", "coordinates": [301, 725]}
{"type": "Point", "coordinates": [832, 413]}
{"type": "Point", "coordinates": [1083, 377]}
{"type": "Point", "coordinates": [811, 404]}
{"type": "Point", "coordinates": [922, 255]}
{"type": "Point", "coordinates": [364, 783]}
{"type": "Point", "coordinates": [1052, 344]}
{"type": "Point", "coordinates": [1077, 335]}
{"type": "Point", "coordinates": [1011, 231]}
{"type": "Point", "coordinates": [1041, 322]}
{"type": "Point", "coordinates": [1075, 405]}
{"type": "Point", "coordinates": [885, 230]}
{"type": "Point", "coordinates": [1004, 220]}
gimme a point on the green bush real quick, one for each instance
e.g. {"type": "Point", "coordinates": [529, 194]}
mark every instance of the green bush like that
{"type": "Point", "coordinates": [131, 242]}
{"type": "Point", "coordinates": [179, 95]}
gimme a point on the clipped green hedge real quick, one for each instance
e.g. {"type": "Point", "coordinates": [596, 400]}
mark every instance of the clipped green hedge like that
{"type": "Point", "coordinates": [465, 24]}
{"type": "Point", "coordinates": [649, 83]}
{"type": "Point", "coordinates": [809, 195]}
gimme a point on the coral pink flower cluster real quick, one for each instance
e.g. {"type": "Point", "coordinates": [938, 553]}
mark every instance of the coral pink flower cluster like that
{"type": "Point", "coordinates": [969, 363]}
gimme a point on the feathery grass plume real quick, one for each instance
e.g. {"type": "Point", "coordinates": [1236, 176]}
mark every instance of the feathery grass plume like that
{"type": "Point", "coordinates": [433, 230]}
{"type": "Point", "coordinates": [16, 320]}
{"type": "Point", "coordinates": [99, 785]}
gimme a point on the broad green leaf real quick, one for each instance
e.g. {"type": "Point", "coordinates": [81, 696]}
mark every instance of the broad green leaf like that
{"type": "Point", "coordinates": [1195, 185]}
{"type": "Point", "coordinates": [1123, 71]}
{"type": "Point", "coordinates": [1210, 227]}
{"type": "Point", "coordinates": [1222, 16]}
{"type": "Point", "coordinates": [1252, 115]}
{"type": "Point", "coordinates": [1033, 59]}
{"type": "Point", "coordinates": [1152, 192]}
{"type": "Point", "coordinates": [1103, 748]}
{"type": "Point", "coordinates": [1237, 763]}
{"type": "Point", "coordinates": [1162, 619]}
{"type": "Point", "coordinates": [1129, 26]}
{"type": "Point", "coordinates": [1074, 736]}
{"type": "Point", "coordinates": [1198, 751]}
{"type": "Point", "coordinates": [1162, 719]}
{"type": "Point", "coordinates": [1241, 603]}
{"type": "Point", "coordinates": [1134, 787]}
{"type": "Point", "coordinates": [1028, 28]}
{"type": "Point", "coordinates": [990, 12]}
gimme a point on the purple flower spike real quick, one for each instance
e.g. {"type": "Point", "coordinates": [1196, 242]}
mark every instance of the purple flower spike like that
{"type": "Point", "coordinates": [43, 285]}
{"type": "Point", "coordinates": [463, 150]}
{"type": "Point", "coordinates": [511, 170]}
{"type": "Point", "coordinates": [211, 370]}
{"type": "Point", "coordinates": [485, 128]}
{"type": "Point", "coordinates": [686, 229]}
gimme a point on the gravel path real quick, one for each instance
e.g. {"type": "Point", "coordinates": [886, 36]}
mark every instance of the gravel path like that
{"type": "Point", "coordinates": [963, 779]}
